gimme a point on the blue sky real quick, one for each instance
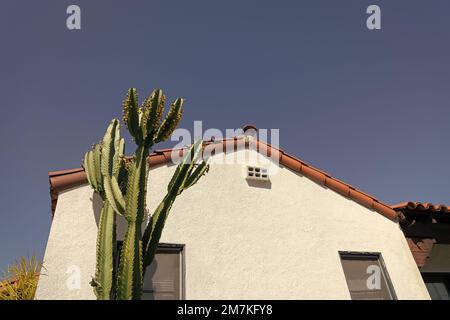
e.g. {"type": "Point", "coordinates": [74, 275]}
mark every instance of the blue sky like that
{"type": "Point", "coordinates": [369, 107]}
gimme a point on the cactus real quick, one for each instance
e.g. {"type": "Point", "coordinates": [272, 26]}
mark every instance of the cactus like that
{"type": "Point", "coordinates": [122, 183]}
{"type": "Point", "coordinates": [98, 161]}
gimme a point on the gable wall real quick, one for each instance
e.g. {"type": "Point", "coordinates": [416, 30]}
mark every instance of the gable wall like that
{"type": "Point", "coordinates": [242, 241]}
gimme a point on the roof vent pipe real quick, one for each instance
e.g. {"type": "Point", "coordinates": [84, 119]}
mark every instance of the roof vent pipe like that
{"type": "Point", "coordinates": [250, 130]}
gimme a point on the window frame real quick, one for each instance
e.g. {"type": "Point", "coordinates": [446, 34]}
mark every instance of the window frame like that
{"type": "Point", "coordinates": [367, 255]}
{"type": "Point", "coordinates": [172, 247]}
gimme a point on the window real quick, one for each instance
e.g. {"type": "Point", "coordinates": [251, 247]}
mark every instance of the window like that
{"type": "Point", "coordinates": [366, 276]}
{"type": "Point", "coordinates": [164, 278]}
{"type": "Point", "coordinates": [436, 272]}
{"type": "Point", "coordinates": [438, 285]}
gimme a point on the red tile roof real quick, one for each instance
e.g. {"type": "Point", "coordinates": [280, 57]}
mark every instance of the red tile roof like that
{"type": "Point", "coordinates": [420, 249]}
{"type": "Point", "coordinates": [60, 180]}
{"type": "Point", "coordinates": [421, 206]}
{"type": "Point", "coordinates": [418, 221]}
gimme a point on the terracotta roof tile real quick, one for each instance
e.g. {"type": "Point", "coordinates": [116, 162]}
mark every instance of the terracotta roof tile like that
{"type": "Point", "coordinates": [420, 249]}
{"type": "Point", "coordinates": [421, 206]}
{"type": "Point", "coordinates": [338, 186]}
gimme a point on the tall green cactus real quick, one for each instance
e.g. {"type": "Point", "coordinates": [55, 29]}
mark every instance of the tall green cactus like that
{"type": "Point", "coordinates": [97, 161]}
{"type": "Point", "coordinates": [122, 184]}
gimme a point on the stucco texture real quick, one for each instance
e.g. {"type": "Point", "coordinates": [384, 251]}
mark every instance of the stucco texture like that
{"type": "Point", "coordinates": [243, 240]}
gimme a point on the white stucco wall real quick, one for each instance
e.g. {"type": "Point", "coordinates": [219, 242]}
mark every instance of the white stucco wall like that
{"type": "Point", "coordinates": [70, 247]}
{"type": "Point", "coordinates": [243, 241]}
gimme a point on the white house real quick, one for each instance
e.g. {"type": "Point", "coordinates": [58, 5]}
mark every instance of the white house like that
{"type": "Point", "coordinates": [262, 225]}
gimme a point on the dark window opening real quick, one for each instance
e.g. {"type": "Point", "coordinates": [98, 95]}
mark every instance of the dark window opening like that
{"type": "Point", "coordinates": [438, 285]}
{"type": "Point", "coordinates": [436, 272]}
{"type": "Point", "coordinates": [366, 276]}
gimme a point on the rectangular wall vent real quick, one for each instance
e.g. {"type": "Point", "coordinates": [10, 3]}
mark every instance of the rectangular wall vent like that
{"type": "Point", "coordinates": [257, 173]}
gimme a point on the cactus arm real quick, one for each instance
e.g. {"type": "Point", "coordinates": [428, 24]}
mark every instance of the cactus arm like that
{"type": "Point", "coordinates": [97, 153]}
{"type": "Point", "coordinates": [119, 145]}
{"type": "Point", "coordinates": [153, 231]}
{"type": "Point", "coordinates": [136, 185]}
{"type": "Point", "coordinates": [103, 164]}
{"type": "Point", "coordinates": [131, 114]}
{"type": "Point", "coordinates": [170, 122]}
{"type": "Point", "coordinates": [185, 165]}
{"type": "Point", "coordinates": [90, 169]}
{"type": "Point", "coordinates": [129, 278]}
{"type": "Point", "coordinates": [185, 168]}
{"type": "Point", "coordinates": [152, 111]}
{"type": "Point", "coordinates": [106, 244]}
{"type": "Point", "coordinates": [130, 268]}
{"type": "Point", "coordinates": [112, 145]}
{"type": "Point", "coordinates": [114, 195]}
{"type": "Point", "coordinates": [198, 172]}
{"type": "Point", "coordinates": [183, 178]}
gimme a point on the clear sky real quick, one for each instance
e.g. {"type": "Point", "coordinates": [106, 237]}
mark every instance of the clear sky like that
{"type": "Point", "coordinates": [370, 107]}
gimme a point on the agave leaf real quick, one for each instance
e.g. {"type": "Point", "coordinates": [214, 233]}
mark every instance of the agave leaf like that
{"type": "Point", "coordinates": [20, 279]}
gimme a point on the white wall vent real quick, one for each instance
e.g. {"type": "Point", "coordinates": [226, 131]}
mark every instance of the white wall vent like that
{"type": "Point", "coordinates": [257, 173]}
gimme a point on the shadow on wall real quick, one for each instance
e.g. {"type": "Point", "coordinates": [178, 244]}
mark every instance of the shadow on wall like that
{"type": "Point", "coordinates": [259, 184]}
{"type": "Point", "coordinates": [97, 204]}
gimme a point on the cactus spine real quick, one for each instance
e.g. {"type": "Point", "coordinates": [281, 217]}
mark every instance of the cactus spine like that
{"type": "Point", "coordinates": [122, 184]}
